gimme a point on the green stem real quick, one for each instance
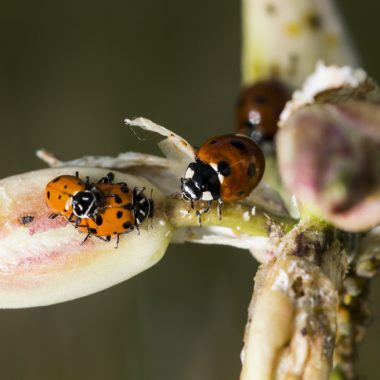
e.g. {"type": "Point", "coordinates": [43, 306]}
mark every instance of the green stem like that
{"type": "Point", "coordinates": [240, 217]}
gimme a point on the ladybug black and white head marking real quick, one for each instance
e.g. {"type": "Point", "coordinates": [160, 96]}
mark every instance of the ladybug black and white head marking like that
{"type": "Point", "coordinates": [86, 203]}
{"type": "Point", "coordinates": [142, 206]}
{"type": "Point", "coordinates": [201, 182]}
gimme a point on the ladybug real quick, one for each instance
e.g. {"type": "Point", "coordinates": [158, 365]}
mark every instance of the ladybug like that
{"type": "Point", "coordinates": [258, 109]}
{"type": "Point", "coordinates": [64, 196]}
{"type": "Point", "coordinates": [121, 211]}
{"type": "Point", "coordinates": [226, 168]}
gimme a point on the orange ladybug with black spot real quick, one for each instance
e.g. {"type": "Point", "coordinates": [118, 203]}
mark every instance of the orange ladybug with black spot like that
{"type": "Point", "coordinates": [60, 193]}
{"type": "Point", "coordinates": [259, 107]}
{"type": "Point", "coordinates": [122, 211]}
{"type": "Point", "coordinates": [226, 168]}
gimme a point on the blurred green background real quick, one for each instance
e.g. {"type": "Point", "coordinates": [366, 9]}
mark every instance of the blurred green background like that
{"type": "Point", "coordinates": [70, 73]}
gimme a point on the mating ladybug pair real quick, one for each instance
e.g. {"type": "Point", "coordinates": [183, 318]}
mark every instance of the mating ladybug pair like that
{"type": "Point", "coordinates": [103, 209]}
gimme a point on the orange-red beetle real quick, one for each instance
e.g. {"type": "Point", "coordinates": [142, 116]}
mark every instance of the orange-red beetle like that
{"type": "Point", "coordinates": [258, 109]}
{"type": "Point", "coordinates": [226, 168]}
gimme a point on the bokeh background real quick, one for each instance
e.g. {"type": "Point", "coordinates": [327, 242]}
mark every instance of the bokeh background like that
{"type": "Point", "coordinates": [70, 73]}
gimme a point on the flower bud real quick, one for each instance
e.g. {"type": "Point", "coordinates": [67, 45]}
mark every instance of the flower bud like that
{"type": "Point", "coordinates": [329, 157]}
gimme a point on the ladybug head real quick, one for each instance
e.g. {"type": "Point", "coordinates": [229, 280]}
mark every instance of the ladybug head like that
{"type": "Point", "coordinates": [201, 182]}
{"type": "Point", "coordinates": [142, 206]}
{"type": "Point", "coordinates": [86, 203]}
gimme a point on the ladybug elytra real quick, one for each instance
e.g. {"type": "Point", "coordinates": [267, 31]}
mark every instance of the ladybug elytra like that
{"type": "Point", "coordinates": [259, 108]}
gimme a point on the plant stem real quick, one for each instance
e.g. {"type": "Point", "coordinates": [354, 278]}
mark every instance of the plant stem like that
{"type": "Point", "coordinates": [292, 316]}
{"type": "Point", "coordinates": [243, 218]}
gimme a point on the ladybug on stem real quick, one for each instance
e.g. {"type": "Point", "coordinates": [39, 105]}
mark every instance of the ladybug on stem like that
{"type": "Point", "coordinates": [226, 168]}
{"type": "Point", "coordinates": [258, 109]}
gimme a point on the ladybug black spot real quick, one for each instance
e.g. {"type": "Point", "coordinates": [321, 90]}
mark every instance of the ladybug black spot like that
{"type": "Point", "coordinates": [251, 169]}
{"type": "Point", "coordinates": [93, 231]}
{"type": "Point", "coordinates": [241, 192]}
{"type": "Point", "coordinates": [99, 220]}
{"type": "Point", "coordinates": [48, 195]}
{"type": "Point", "coordinates": [115, 233]}
{"type": "Point", "coordinates": [129, 206]}
{"type": "Point", "coordinates": [261, 99]}
{"type": "Point", "coordinates": [237, 144]}
{"type": "Point", "coordinates": [79, 183]}
{"type": "Point", "coordinates": [212, 142]}
{"type": "Point", "coordinates": [65, 187]}
{"type": "Point", "coordinates": [119, 214]}
{"type": "Point", "coordinates": [224, 168]}
{"type": "Point", "coordinates": [56, 179]}
{"type": "Point", "coordinates": [127, 225]}
{"type": "Point", "coordinates": [59, 196]}
{"type": "Point", "coordinates": [118, 199]}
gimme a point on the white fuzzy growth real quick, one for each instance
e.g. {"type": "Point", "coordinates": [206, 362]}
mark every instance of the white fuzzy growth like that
{"type": "Point", "coordinates": [281, 282]}
{"type": "Point", "coordinates": [246, 216]}
{"type": "Point", "coordinates": [323, 78]}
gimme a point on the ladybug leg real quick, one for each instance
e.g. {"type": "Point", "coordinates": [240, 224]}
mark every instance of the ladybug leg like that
{"type": "Point", "coordinates": [53, 216]}
{"type": "Point", "coordinates": [220, 205]}
{"type": "Point", "coordinates": [199, 213]}
{"type": "Point", "coordinates": [199, 216]}
{"type": "Point", "coordinates": [117, 241]}
{"type": "Point", "coordinates": [207, 207]}
{"type": "Point", "coordinates": [191, 206]}
{"type": "Point", "coordinates": [104, 238]}
{"type": "Point", "coordinates": [87, 183]}
{"type": "Point", "coordinates": [107, 179]}
{"type": "Point", "coordinates": [87, 236]}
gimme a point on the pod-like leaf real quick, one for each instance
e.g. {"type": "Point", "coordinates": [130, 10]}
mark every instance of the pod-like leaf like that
{"type": "Point", "coordinates": [44, 261]}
